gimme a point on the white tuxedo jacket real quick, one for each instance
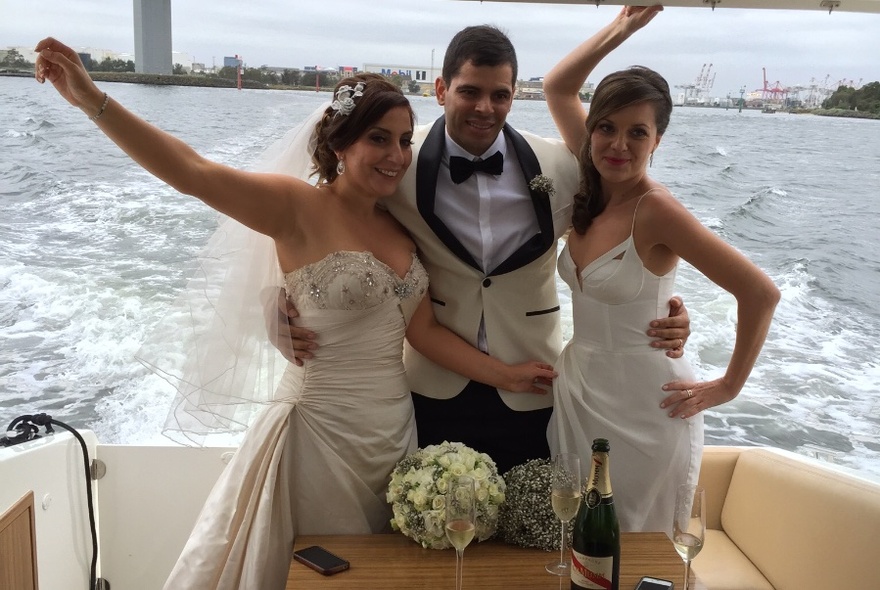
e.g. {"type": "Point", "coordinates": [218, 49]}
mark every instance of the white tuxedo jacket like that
{"type": "Point", "coordinates": [518, 299]}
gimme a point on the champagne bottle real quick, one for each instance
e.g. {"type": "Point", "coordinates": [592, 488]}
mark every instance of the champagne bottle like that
{"type": "Point", "coordinates": [595, 542]}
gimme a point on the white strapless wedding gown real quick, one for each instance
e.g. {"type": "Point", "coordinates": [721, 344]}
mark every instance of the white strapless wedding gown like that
{"type": "Point", "coordinates": [609, 386]}
{"type": "Point", "coordinates": [318, 459]}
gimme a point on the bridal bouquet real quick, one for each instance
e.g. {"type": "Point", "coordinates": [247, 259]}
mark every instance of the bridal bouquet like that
{"type": "Point", "coordinates": [417, 492]}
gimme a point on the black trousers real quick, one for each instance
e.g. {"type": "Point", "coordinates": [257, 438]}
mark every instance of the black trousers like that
{"type": "Point", "coordinates": [479, 418]}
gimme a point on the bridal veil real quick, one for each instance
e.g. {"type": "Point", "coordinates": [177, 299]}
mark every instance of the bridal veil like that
{"type": "Point", "coordinates": [213, 346]}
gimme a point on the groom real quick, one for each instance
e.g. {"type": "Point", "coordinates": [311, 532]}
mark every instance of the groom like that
{"type": "Point", "coordinates": [487, 234]}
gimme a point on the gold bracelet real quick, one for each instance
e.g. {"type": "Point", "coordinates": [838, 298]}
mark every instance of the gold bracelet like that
{"type": "Point", "coordinates": [101, 110]}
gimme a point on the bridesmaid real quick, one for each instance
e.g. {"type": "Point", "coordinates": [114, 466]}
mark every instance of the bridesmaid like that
{"type": "Point", "coordinates": [620, 262]}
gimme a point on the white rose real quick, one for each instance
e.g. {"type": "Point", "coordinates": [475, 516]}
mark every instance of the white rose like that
{"type": "Point", "coordinates": [479, 473]}
{"type": "Point", "coordinates": [419, 499]}
{"type": "Point", "coordinates": [400, 521]}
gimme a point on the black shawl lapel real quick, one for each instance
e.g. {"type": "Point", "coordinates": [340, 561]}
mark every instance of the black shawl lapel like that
{"type": "Point", "coordinates": [541, 242]}
{"type": "Point", "coordinates": [427, 169]}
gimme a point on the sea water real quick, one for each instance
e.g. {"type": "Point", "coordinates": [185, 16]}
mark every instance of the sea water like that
{"type": "Point", "coordinates": [93, 250]}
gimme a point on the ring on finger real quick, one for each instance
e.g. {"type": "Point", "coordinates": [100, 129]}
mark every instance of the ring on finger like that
{"type": "Point", "coordinates": [689, 393]}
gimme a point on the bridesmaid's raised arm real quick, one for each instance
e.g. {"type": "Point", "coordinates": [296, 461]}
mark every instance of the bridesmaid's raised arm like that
{"type": "Point", "coordinates": [563, 83]}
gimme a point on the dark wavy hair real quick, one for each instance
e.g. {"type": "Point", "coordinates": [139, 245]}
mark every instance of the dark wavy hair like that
{"type": "Point", "coordinates": [616, 91]}
{"type": "Point", "coordinates": [335, 131]}
{"type": "Point", "coordinates": [483, 45]}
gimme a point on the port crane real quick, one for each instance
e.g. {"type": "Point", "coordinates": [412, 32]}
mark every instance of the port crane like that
{"type": "Point", "coordinates": [775, 94]}
{"type": "Point", "coordinates": [697, 92]}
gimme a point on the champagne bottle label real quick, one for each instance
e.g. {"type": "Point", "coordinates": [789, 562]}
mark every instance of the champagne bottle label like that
{"type": "Point", "coordinates": [591, 572]}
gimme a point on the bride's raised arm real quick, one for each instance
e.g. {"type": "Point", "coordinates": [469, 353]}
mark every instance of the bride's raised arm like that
{"type": "Point", "coordinates": [563, 83]}
{"type": "Point", "coordinates": [262, 202]}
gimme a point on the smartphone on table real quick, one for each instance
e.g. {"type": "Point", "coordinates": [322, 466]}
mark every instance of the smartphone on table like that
{"type": "Point", "coordinates": [649, 583]}
{"type": "Point", "coordinates": [321, 560]}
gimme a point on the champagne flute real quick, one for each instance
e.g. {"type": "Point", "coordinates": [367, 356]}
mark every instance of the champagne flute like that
{"type": "Point", "coordinates": [565, 497]}
{"type": "Point", "coordinates": [461, 518]}
{"type": "Point", "coordinates": [689, 524]}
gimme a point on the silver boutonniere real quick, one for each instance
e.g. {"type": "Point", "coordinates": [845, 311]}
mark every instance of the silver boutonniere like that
{"type": "Point", "coordinates": [542, 184]}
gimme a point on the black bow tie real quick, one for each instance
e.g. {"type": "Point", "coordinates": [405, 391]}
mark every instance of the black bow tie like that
{"type": "Point", "coordinates": [460, 169]}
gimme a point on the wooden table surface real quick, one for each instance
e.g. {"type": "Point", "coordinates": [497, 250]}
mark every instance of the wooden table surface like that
{"type": "Point", "coordinates": [392, 562]}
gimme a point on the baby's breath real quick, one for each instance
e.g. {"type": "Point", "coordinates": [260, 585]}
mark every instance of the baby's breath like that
{"type": "Point", "coordinates": [417, 492]}
{"type": "Point", "coordinates": [527, 518]}
{"type": "Point", "coordinates": [542, 184]}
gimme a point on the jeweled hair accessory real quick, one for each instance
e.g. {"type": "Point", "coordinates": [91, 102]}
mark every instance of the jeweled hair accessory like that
{"type": "Point", "coordinates": [345, 95]}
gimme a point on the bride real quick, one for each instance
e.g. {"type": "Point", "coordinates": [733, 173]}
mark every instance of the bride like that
{"type": "Point", "coordinates": [318, 456]}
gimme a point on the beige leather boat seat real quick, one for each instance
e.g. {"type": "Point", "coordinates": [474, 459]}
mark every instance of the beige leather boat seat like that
{"type": "Point", "coordinates": [779, 521]}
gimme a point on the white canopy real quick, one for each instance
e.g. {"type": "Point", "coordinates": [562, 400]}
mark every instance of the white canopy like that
{"type": "Point", "coordinates": [826, 5]}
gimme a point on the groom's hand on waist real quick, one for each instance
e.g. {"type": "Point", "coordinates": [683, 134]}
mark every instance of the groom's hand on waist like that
{"type": "Point", "coordinates": [672, 332]}
{"type": "Point", "coordinates": [295, 343]}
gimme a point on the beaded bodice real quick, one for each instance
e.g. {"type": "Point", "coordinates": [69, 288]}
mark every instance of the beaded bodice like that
{"type": "Point", "coordinates": [354, 280]}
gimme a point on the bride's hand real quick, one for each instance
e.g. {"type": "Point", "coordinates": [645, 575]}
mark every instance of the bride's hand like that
{"type": "Point", "coordinates": [529, 377]}
{"type": "Point", "coordinates": [60, 65]}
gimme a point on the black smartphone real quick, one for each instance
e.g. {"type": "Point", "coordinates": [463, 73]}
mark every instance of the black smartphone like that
{"type": "Point", "coordinates": [648, 583]}
{"type": "Point", "coordinates": [321, 560]}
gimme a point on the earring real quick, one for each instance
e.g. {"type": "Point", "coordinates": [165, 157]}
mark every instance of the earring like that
{"type": "Point", "coordinates": [651, 160]}
{"type": "Point", "coordinates": [590, 151]}
{"type": "Point", "coordinates": [340, 167]}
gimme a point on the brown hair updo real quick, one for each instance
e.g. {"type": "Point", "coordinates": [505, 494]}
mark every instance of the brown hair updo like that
{"type": "Point", "coordinates": [616, 91]}
{"type": "Point", "coordinates": [336, 131]}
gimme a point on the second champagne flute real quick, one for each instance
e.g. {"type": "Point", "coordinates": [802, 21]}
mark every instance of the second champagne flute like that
{"type": "Point", "coordinates": [565, 497]}
{"type": "Point", "coordinates": [689, 524]}
{"type": "Point", "coordinates": [461, 518]}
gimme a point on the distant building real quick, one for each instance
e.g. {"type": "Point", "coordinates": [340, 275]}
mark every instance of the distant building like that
{"type": "Point", "coordinates": [178, 57]}
{"type": "Point", "coordinates": [532, 89]}
{"type": "Point", "coordinates": [152, 36]}
{"type": "Point", "coordinates": [418, 73]}
{"type": "Point", "coordinates": [425, 76]}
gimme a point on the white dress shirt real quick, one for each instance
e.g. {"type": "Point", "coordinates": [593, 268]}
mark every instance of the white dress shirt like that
{"type": "Point", "coordinates": [492, 216]}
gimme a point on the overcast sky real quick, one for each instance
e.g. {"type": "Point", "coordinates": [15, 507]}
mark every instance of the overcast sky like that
{"type": "Point", "coordinates": [794, 46]}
